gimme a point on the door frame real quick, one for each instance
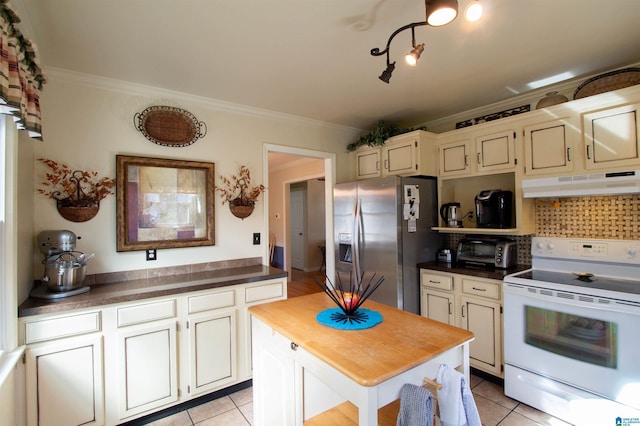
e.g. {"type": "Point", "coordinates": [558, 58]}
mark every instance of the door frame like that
{"type": "Point", "coordinates": [330, 178]}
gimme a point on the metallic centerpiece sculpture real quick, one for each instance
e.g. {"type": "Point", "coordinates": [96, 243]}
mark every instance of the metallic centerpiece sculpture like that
{"type": "Point", "coordinates": [349, 299]}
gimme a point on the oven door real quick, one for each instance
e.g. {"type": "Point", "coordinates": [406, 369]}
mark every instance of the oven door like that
{"type": "Point", "coordinates": [584, 341]}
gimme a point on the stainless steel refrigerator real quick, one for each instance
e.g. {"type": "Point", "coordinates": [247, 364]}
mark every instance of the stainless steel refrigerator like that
{"type": "Point", "coordinates": [383, 226]}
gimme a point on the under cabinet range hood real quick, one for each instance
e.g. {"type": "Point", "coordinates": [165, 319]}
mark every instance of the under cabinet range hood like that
{"type": "Point", "coordinates": [582, 185]}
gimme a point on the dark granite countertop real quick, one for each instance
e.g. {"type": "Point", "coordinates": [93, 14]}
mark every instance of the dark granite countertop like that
{"type": "Point", "coordinates": [476, 271]}
{"type": "Point", "coordinates": [125, 291]}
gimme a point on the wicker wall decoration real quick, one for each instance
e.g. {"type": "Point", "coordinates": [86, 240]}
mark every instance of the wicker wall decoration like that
{"type": "Point", "coordinates": [169, 126]}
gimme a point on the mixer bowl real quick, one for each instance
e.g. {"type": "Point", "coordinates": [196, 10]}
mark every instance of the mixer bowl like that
{"type": "Point", "coordinates": [64, 278]}
{"type": "Point", "coordinates": [64, 272]}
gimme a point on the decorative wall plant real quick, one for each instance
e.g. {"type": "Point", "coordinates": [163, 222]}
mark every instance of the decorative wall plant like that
{"type": "Point", "coordinates": [77, 192]}
{"type": "Point", "coordinates": [237, 190]}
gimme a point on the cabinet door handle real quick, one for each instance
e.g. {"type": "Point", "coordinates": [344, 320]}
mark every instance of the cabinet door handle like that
{"type": "Point", "coordinates": [568, 154]}
{"type": "Point", "coordinates": [479, 289]}
{"type": "Point", "coordinates": [385, 165]}
{"type": "Point", "coordinates": [478, 158]}
{"type": "Point", "coordinates": [463, 311]}
{"type": "Point", "coordinates": [450, 310]}
{"type": "Point", "coordinates": [466, 160]}
{"type": "Point", "coordinates": [294, 346]}
{"type": "Point", "coordinates": [377, 165]}
{"type": "Point", "coordinates": [588, 153]}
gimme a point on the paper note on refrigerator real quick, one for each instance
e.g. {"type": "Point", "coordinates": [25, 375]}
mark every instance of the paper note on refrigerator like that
{"type": "Point", "coordinates": [411, 193]}
{"type": "Point", "coordinates": [411, 211]}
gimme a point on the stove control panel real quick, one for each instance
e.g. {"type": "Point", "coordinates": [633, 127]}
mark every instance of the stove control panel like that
{"type": "Point", "coordinates": [625, 251]}
{"type": "Point", "coordinates": [587, 249]}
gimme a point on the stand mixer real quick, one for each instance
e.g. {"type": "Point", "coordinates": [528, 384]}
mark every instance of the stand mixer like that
{"type": "Point", "coordinates": [64, 267]}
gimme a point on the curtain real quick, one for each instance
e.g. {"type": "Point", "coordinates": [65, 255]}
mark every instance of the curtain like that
{"type": "Point", "coordinates": [21, 77]}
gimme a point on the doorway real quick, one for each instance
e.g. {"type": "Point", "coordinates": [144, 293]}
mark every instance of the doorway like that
{"type": "Point", "coordinates": [285, 166]}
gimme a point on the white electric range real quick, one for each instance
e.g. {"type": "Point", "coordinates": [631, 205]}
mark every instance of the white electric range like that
{"type": "Point", "coordinates": [572, 331]}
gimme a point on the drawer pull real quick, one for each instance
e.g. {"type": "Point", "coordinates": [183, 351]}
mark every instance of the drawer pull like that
{"type": "Point", "coordinates": [435, 282]}
{"type": "Point", "coordinates": [479, 289]}
{"type": "Point", "coordinates": [294, 346]}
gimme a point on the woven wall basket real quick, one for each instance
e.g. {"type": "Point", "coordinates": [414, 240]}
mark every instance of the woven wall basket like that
{"type": "Point", "coordinates": [78, 213]}
{"type": "Point", "coordinates": [607, 82]}
{"type": "Point", "coordinates": [240, 210]}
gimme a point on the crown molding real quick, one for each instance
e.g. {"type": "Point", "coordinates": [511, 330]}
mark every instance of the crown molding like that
{"type": "Point", "coordinates": [566, 88]}
{"type": "Point", "coordinates": [130, 88]}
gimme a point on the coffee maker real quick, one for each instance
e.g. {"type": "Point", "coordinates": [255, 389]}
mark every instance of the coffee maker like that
{"type": "Point", "coordinates": [494, 209]}
{"type": "Point", "coordinates": [64, 267]}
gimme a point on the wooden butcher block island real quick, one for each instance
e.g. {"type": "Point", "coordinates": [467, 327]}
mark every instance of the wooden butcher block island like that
{"type": "Point", "coordinates": [306, 372]}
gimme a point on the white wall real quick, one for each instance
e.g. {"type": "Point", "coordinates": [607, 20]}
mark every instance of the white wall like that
{"type": "Point", "coordinates": [87, 121]}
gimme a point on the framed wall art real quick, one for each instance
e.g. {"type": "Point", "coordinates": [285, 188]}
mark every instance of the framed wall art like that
{"type": "Point", "coordinates": [163, 203]}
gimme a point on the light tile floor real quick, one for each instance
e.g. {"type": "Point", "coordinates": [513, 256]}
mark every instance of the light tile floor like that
{"type": "Point", "coordinates": [237, 410]}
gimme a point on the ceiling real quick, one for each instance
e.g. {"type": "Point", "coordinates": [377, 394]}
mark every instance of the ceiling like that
{"type": "Point", "coordinates": [311, 58]}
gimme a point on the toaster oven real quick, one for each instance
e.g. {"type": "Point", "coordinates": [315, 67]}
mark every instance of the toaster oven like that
{"type": "Point", "coordinates": [494, 252]}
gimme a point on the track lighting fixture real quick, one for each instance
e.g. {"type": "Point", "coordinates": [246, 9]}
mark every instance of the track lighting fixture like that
{"type": "Point", "coordinates": [438, 13]}
{"type": "Point", "coordinates": [413, 56]}
{"type": "Point", "coordinates": [386, 74]}
{"type": "Point", "coordinates": [441, 12]}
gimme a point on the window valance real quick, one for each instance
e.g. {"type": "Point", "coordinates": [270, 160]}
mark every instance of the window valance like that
{"type": "Point", "coordinates": [21, 77]}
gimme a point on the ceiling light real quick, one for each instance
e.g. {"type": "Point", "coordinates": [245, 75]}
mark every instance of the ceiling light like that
{"type": "Point", "coordinates": [438, 12]}
{"type": "Point", "coordinates": [441, 12]}
{"type": "Point", "coordinates": [386, 74]}
{"type": "Point", "coordinates": [473, 12]}
{"type": "Point", "coordinates": [413, 56]}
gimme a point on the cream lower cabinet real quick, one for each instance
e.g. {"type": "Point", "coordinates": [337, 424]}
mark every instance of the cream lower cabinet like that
{"type": "Point", "coordinates": [63, 368]}
{"type": "Point", "coordinates": [114, 364]}
{"type": "Point", "coordinates": [211, 341]}
{"type": "Point", "coordinates": [471, 303]}
{"type": "Point", "coordinates": [147, 356]}
{"type": "Point", "coordinates": [64, 382]}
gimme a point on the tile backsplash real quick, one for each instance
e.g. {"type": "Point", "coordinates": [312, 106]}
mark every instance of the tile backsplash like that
{"type": "Point", "coordinates": [615, 217]}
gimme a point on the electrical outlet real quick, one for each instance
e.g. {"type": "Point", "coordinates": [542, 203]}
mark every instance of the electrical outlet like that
{"type": "Point", "coordinates": [256, 238]}
{"type": "Point", "coordinates": [152, 254]}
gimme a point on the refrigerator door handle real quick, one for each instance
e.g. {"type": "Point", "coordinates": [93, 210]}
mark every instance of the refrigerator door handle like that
{"type": "Point", "coordinates": [356, 241]}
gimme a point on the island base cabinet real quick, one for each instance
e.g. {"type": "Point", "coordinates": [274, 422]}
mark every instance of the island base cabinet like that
{"type": "Point", "coordinates": [274, 380]}
{"type": "Point", "coordinates": [148, 373]}
{"type": "Point", "coordinates": [65, 383]}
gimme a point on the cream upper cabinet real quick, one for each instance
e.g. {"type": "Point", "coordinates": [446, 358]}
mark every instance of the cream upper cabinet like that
{"type": "Point", "coordinates": [476, 153]}
{"type": "Point", "coordinates": [409, 154]}
{"type": "Point", "coordinates": [611, 137]}
{"type": "Point", "coordinates": [496, 152]}
{"type": "Point", "coordinates": [454, 158]}
{"type": "Point", "coordinates": [368, 163]}
{"type": "Point", "coordinates": [549, 148]}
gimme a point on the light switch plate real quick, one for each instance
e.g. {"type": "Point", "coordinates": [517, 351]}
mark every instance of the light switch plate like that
{"type": "Point", "coordinates": [256, 238]}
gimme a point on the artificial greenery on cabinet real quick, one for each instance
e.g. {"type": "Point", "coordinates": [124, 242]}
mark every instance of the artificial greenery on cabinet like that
{"type": "Point", "coordinates": [380, 134]}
